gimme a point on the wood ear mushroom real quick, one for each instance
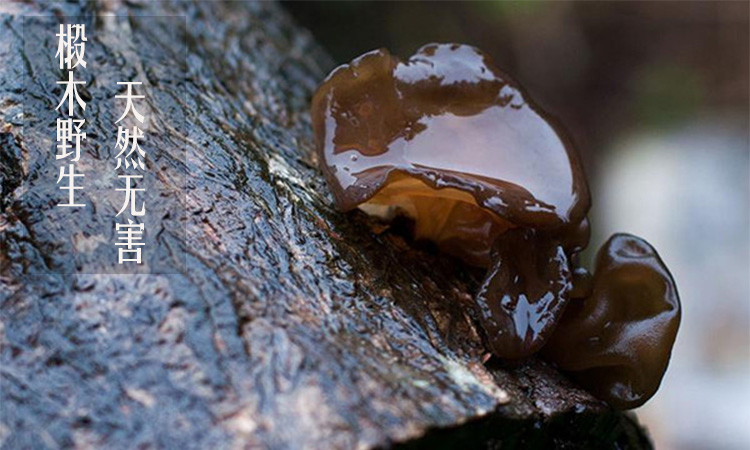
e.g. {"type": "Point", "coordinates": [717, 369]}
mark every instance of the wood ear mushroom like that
{"type": "Point", "coordinates": [617, 341]}
{"type": "Point", "coordinates": [451, 142]}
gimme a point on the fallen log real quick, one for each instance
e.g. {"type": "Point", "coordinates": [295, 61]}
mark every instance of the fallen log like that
{"type": "Point", "coordinates": [275, 321]}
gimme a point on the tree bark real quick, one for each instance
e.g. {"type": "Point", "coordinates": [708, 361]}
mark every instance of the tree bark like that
{"type": "Point", "coordinates": [286, 325]}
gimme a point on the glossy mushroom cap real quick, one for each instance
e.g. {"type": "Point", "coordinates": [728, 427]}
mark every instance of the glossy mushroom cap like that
{"type": "Point", "coordinates": [450, 141]}
{"type": "Point", "coordinates": [525, 292]}
{"type": "Point", "coordinates": [617, 342]}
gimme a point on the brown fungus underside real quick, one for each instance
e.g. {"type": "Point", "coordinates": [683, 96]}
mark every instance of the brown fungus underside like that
{"type": "Point", "coordinates": [451, 142]}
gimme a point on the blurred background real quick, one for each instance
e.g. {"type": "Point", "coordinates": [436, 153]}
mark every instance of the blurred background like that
{"type": "Point", "coordinates": [655, 95]}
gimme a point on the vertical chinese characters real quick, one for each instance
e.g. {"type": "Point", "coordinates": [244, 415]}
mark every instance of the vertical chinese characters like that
{"type": "Point", "coordinates": [131, 163]}
{"type": "Point", "coordinates": [71, 44]}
